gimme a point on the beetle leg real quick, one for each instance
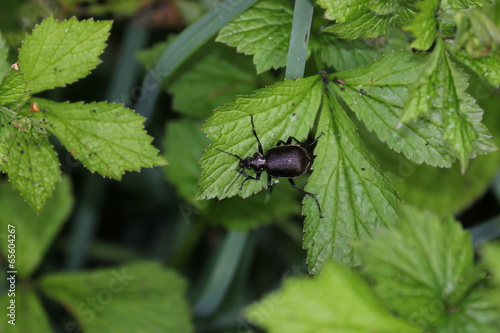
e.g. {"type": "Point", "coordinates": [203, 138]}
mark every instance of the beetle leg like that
{"type": "Point", "coordinates": [309, 194]}
{"type": "Point", "coordinates": [290, 138]}
{"type": "Point", "coordinates": [315, 140]}
{"type": "Point", "coordinates": [269, 184]}
{"type": "Point", "coordinates": [255, 134]}
{"type": "Point", "coordinates": [247, 177]}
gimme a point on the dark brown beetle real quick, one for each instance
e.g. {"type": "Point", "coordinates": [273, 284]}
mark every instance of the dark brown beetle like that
{"type": "Point", "coordinates": [285, 160]}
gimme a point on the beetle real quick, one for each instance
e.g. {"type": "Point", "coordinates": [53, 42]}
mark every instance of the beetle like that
{"type": "Point", "coordinates": [285, 160]}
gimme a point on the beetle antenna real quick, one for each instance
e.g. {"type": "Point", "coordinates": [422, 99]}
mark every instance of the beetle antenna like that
{"type": "Point", "coordinates": [234, 181]}
{"type": "Point", "coordinates": [229, 154]}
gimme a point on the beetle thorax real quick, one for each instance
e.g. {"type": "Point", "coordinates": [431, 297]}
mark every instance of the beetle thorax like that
{"type": "Point", "coordinates": [256, 162]}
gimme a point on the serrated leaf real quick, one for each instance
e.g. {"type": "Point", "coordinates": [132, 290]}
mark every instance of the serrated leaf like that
{"type": "Point", "coordinates": [262, 31]}
{"type": "Point", "coordinates": [427, 90]}
{"type": "Point", "coordinates": [356, 19]}
{"type": "Point", "coordinates": [325, 304]}
{"type": "Point", "coordinates": [356, 197]}
{"type": "Point", "coordinates": [343, 55]}
{"type": "Point", "coordinates": [440, 91]}
{"type": "Point", "coordinates": [184, 145]}
{"type": "Point", "coordinates": [463, 4]}
{"type": "Point", "coordinates": [28, 313]}
{"type": "Point", "coordinates": [423, 269]}
{"type": "Point", "coordinates": [377, 93]}
{"type": "Point", "coordinates": [33, 169]}
{"type": "Point", "coordinates": [285, 109]}
{"type": "Point", "coordinates": [385, 7]}
{"type": "Point", "coordinates": [424, 25]}
{"type": "Point", "coordinates": [106, 298]}
{"type": "Point", "coordinates": [107, 138]}
{"type": "Point", "coordinates": [59, 53]}
{"type": "Point", "coordinates": [416, 184]}
{"type": "Point", "coordinates": [487, 67]}
{"type": "Point", "coordinates": [35, 230]}
{"type": "Point", "coordinates": [13, 88]}
{"type": "Point", "coordinates": [341, 11]}
{"type": "Point", "coordinates": [462, 120]}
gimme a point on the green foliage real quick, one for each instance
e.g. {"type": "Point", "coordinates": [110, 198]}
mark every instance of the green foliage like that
{"type": "Point", "coordinates": [184, 145]}
{"type": "Point", "coordinates": [154, 294]}
{"type": "Point", "coordinates": [424, 279]}
{"type": "Point", "coordinates": [424, 26]}
{"type": "Point", "coordinates": [35, 231]}
{"type": "Point", "coordinates": [423, 268]}
{"type": "Point", "coordinates": [33, 169]}
{"type": "Point", "coordinates": [366, 18]}
{"type": "Point", "coordinates": [106, 138]}
{"type": "Point", "coordinates": [210, 78]}
{"type": "Point", "coordinates": [28, 304]}
{"type": "Point", "coordinates": [4, 53]}
{"type": "Point", "coordinates": [76, 53]}
{"type": "Point", "coordinates": [357, 199]}
{"type": "Point", "coordinates": [325, 304]}
{"type": "Point", "coordinates": [262, 31]}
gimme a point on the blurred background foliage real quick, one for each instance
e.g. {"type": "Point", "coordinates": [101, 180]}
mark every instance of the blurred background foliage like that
{"type": "Point", "coordinates": [222, 248]}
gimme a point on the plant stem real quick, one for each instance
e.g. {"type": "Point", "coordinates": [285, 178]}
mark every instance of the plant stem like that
{"type": "Point", "coordinates": [301, 28]}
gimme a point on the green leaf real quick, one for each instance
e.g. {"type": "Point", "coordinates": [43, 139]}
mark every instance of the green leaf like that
{"type": "Point", "coordinates": [59, 53]}
{"type": "Point", "coordinates": [32, 168]}
{"type": "Point", "coordinates": [386, 7]}
{"type": "Point", "coordinates": [464, 4]}
{"type": "Point", "coordinates": [106, 298]}
{"type": "Point", "coordinates": [325, 304]}
{"type": "Point", "coordinates": [211, 78]}
{"type": "Point", "coordinates": [262, 31]}
{"type": "Point", "coordinates": [29, 313]}
{"type": "Point", "coordinates": [416, 184]}
{"type": "Point", "coordinates": [285, 109]}
{"type": "Point", "coordinates": [490, 254]}
{"type": "Point", "coordinates": [13, 88]}
{"type": "Point", "coordinates": [424, 271]}
{"type": "Point", "coordinates": [343, 55]}
{"type": "Point", "coordinates": [184, 145]}
{"type": "Point", "coordinates": [425, 93]}
{"type": "Point", "coordinates": [357, 199]}
{"type": "Point", "coordinates": [106, 138]}
{"type": "Point", "coordinates": [34, 231]}
{"type": "Point", "coordinates": [359, 18]}
{"type": "Point", "coordinates": [377, 93]}
{"type": "Point", "coordinates": [443, 86]}
{"type": "Point", "coordinates": [487, 67]}
{"type": "Point", "coordinates": [342, 11]}
{"type": "Point", "coordinates": [4, 53]}
{"type": "Point", "coordinates": [424, 25]}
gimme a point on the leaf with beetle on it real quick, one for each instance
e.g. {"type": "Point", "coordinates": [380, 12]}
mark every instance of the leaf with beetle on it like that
{"type": "Point", "coordinates": [288, 109]}
{"type": "Point", "coordinates": [279, 111]}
